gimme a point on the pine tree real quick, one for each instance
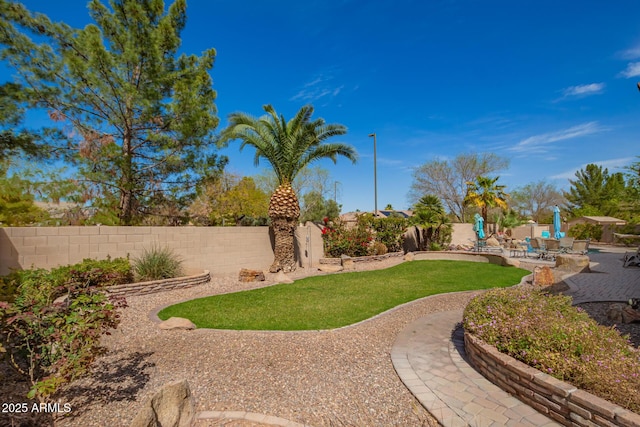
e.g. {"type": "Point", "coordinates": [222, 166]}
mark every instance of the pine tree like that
{"type": "Point", "coordinates": [142, 115]}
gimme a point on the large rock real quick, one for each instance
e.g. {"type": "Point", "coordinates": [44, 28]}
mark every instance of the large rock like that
{"type": "Point", "coordinates": [177, 323]}
{"type": "Point", "coordinates": [171, 406]}
{"type": "Point", "coordinates": [281, 277]}
{"type": "Point", "coordinates": [493, 242]}
{"type": "Point", "coordinates": [409, 256]}
{"type": "Point", "coordinates": [251, 275]}
{"type": "Point", "coordinates": [572, 263]}
{"type": "Point", "coordinates": [543, 276]}
{"type": "Point", "coordinates": [330, 268]}
{"type": "Point", "coordinates": [347, 262]}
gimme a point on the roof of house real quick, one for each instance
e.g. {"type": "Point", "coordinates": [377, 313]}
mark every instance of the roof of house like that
{"type": "Point", "coordinates": [384, 213]}
{"type": "Point", "coordinates": [602, 219]}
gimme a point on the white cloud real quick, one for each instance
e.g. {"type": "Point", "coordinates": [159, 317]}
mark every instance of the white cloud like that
{"type": "Point", "coordinates": [632, 53]}
{"type": "Point", "coordinates": [319, 87]}
{"type": "Point", "coordinates": [584, 90]}
{"type": "Point", "coordinates": [633, 69]}
{"type": "Point", "coordinates": [540, 143]}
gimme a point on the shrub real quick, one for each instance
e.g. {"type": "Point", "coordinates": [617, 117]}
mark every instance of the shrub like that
{"type": "Point", "coordinates": [586, 231]}
{"type": "Point", "coordinates": [157, 264]}
{"type": "Point", "coordinates": [389, 230]}
{"type": "Point", "coordinates": [339, 240]}
{"type": "Point", "coordinates": [546, 332]}
{"type": "Point", "coordinates": [53, 344]}
{"type": "Point", "coordinates": [379, 248]}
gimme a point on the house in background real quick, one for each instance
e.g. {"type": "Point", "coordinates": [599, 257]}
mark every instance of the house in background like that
{"type": "Point", "coordinates": [608, 224]}
{"type": "Point", "coordinates": [350, 218]}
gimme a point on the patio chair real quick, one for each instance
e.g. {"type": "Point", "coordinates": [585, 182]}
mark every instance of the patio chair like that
{"type": "Point", "coordinates": [552, 248]}
{"type": "Point", "coordinates": [580, 247]}
{"type": "Point", "coordinates": [632, 259]}
{"type": "Point", "coordinates": [537, 247]}
{"type": "Point", "coordinates": [566, 243]}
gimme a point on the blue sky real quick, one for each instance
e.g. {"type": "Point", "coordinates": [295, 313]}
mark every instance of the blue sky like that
{"type": "Point", "coordinates": [549, 84]}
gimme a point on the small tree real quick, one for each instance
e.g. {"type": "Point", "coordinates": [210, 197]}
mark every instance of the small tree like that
{"type": "Point", "coordinates": [485, 193]}
{"type": "Point", "coordinates": [433, 222]}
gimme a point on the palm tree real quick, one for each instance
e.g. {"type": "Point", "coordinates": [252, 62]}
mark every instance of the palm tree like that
{"type": "Point", "coordinates": [288, 146]}
{"type": "Point", "coordinates": [429, 214]}
{"type": "Point", "coordinates": [485, 193]}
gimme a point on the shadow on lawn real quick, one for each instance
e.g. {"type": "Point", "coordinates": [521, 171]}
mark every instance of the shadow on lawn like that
{"type": "Point", "coordinates": [112, 379]}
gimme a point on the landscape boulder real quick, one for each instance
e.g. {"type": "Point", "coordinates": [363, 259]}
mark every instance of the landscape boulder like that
{"type": "Point", "coordinates": [171, 406]}
{"type": "Point", "coordinates": [330, 268]}
{"type": "Point", "coordinates": [493, 242]}
{"type": "Point", "coordinates": [281, 277]}
{"type": "Point", "coordinates": [247, 275]}
{"type": "Point", "coordinates": [572, 263]}
{"type": "Point", "coordinates": [409, 256]}
{"type": "Point", "coordinates": [543, 276]}
{"type": "Point", "coordinates": [177, 323]}
{"type": "Point", "coordinates": [347, 262]}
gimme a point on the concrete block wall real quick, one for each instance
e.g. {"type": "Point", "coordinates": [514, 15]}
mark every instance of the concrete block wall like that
{"type": "Point", "coordinates": [221, 250]}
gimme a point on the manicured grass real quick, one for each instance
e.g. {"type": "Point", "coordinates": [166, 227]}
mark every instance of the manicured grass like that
{"type": "Point", "coordinates": [332, 301]}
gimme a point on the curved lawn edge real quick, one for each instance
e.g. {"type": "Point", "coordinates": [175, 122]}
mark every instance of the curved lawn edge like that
{"type": "Point", "coordinates": [343, 307]}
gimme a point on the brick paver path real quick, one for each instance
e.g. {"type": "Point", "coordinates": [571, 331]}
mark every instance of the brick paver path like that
{"type": "Point", "coordinates": [429, 356]}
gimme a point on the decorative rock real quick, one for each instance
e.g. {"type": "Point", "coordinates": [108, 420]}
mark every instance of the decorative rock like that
{"type": "Point", "coordinates": [63, 301]}
{"type": "Point", "coordinates": [614, 313]}
{"type": "Point", "coordinates": [543, 276]}
{"type": "Point", "coordinates": [573, 263]}
{"type": "Point", "coordinates": [629, 315]}
{"type": "Point", "coordinates": [330, 268]}
{"type": "Point", "coordinates": [281, 277]}
{"type": "Point", "coordinates": [171, 406]}
{"type": "Point", "coordinates": [493, 242]}
{"type": "Point", "coordinates": [177, 323]}
{"type": "Point", "coordinates": [409, 256]}
{"type": "Point", "coordinates": [251, 275]}
{"type": "Point", "coordinates": [347, 262]}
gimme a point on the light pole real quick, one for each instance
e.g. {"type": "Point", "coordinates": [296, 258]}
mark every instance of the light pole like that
{"type": "Point", "coordinates": [375, 176]}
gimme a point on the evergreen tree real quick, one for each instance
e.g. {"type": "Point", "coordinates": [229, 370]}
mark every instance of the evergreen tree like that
{"type": "Point", "coordinates": [142, 115]}
{"type": "Point", "coordinates": [595, 191]}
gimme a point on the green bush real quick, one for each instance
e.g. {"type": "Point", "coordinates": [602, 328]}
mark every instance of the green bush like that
{"type": "Point", "coordinates": [340, 240]}
{"type": "Point", "coordinates": [586, 231]}
{"type": "Point", "coordinates": [548, 333]}
{"type": "Point", "coordinates": [157, 264]}
{"type": "Point", "coordinates": [52, 344]}
{"type": "Point", "coordinates": [388, 231]}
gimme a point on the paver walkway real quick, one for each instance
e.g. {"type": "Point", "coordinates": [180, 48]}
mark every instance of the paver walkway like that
{"type": "Point", "coordinates": [429, 356]}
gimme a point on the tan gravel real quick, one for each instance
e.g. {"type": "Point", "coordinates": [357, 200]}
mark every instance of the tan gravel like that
{"type": "Point", "coordinates": [340, 377]}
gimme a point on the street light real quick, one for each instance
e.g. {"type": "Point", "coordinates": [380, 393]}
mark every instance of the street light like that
{"type": "Point", "coordinates": [375, 176]}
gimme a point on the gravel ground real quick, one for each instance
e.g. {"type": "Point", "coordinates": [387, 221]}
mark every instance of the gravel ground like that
{"type": "Point", "coordinates": [598, 311]}
{"type": "Point", "coordinates": [320, 378]}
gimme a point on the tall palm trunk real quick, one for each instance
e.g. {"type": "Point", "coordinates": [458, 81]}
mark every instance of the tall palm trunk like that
{"type": "Point", "coordinates": [284, 211]}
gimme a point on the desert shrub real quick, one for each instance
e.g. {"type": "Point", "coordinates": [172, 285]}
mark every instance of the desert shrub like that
{"type": "Point", "coordinates": [52, 344]}
{"type": "Point", "coordinates": [156, 264]}
{"type": "Point", "coordinates": [435, 246]}
{"type": "Point", "coordinates": [339, 240]}
{"type": "Point", "coordinates": [379, 248]}
{"type": "Point", "coordinates": [548, 333]}
{"type": "Point", "coordinates": [586, 231]}
{"type": "Point", "coordinates": [389, 230]}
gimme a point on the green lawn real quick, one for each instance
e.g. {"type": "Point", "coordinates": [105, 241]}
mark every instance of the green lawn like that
{"type": "Point", "coordinates": [332, 301]}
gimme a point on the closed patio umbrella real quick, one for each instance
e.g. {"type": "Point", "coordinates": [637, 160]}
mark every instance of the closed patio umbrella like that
{"type": "Point", "coordinates": [556, 222]}
{"type": "Point", "coordinates": [478, 227]}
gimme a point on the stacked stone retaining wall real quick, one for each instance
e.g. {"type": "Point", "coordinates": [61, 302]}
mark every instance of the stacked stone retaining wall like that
{"type": "Point", "coordinates": [556, 399]}
{"type": "Point", "coordinates": [143, 288]}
